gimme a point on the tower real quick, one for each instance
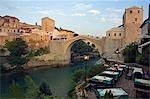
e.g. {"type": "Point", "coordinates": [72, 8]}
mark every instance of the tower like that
{"type": "Point", "coordinates": [48, 24]}
{"type": "Point", "coordinates": [132, 19]}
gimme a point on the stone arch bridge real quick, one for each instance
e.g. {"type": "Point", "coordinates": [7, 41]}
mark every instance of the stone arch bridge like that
{"type": "Point", "coordinates": [62, 49]}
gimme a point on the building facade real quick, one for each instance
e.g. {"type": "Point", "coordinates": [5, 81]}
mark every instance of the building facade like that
{"type": "Point", "coordinates": [9, 24]}
{"type": "Point", "coordinates": [144, 46]}
{"type": "Point", "coordinates": [114, 40]}
{"type": "Point", "coordinates": [128, 32]}
{"type": "Point", "coordinates": [61, 34]}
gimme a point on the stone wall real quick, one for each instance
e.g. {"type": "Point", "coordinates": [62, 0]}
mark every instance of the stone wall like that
{"type": "Point", "coordinates": [50, 63]}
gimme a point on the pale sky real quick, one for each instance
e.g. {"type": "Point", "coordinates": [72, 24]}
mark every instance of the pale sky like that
{"type": "Point", "coordinates": [91, 17]}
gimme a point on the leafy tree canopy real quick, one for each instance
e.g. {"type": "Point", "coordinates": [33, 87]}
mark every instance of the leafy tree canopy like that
{"type": "Point", "coordinates": [18, 50]}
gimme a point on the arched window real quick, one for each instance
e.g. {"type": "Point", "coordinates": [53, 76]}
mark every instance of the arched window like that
{"type": "Point", "coordinates": [109, 34]}
{"type": "Point", "coordinates": [130, 11]}
{"type": "Point", "coordinates": [138, 11]}
{"type": "Point", "coordinates": [115, 34]}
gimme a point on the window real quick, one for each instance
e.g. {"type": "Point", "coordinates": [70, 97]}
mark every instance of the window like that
{"type": "Point", "coordinates": [135, 19]}
{"type": "Point", "coordinates": [130, 11]}
{"type": "Point", "coordinates": [0, 30]}
{"type": "Point", "coordinates": [109, 34]}
{"type": "Point", "coordinates": [138, 11]}
{"type": "Point", "coordinates": [119, 34]}
{"type": "Point", "coordinates": [115, 34]}
{"type": "Point", "coordinates": [14, 31]}
{"type": "Point", "coordinates": [51, 37]}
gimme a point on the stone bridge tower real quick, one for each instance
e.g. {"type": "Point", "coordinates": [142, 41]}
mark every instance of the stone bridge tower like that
{"type": "Point", "coordinates": [132, 19]}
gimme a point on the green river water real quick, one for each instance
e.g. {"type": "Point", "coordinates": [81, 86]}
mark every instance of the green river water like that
{"type": "Point", "coordinates": [59, 79]}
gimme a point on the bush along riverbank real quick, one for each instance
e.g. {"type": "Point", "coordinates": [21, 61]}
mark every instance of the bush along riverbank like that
{"type": "Point", "coordinates": [81, 75]}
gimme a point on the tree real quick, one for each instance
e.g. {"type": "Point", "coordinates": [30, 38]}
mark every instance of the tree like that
{"type": "Point", "coordinates": [41, 51]}
{"type": "Point", "coordinates": [18, 50]}
{"type": "Point", "coordinates": [78, 75]}
{"type": "Point", "coordinates": [45, 89]}
{"type": "Point", "coordinates": [31, 88]}
{"type": "Point", "coordinates": [81, 47]}
{"type": "Point", "coordinates": [96, 69]}
{"type": "Point", "coordinates": [15, 91]}
{"type": "Point", "coordinates": [130, 53]}
{"type": "Point", "coordinates": [2, 51]}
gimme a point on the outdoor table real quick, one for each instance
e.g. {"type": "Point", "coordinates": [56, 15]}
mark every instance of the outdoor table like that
{"type": "Point", "coordinates": [118, 93]}
{"type": "Point", "coordinates": [137, 72]}
{"type": "Point", "coordinates": [123, 66]}
{"type": "Point", "coordinates": [103, 79]}
{"type": "Point", "coordinates": [142, 85]}
{"type": "Point", "coordinates": [140, 70]}
{"type": "Point", "coordinates": [120, 70]}
{"type": "Point", "coordinates": [113, 74]}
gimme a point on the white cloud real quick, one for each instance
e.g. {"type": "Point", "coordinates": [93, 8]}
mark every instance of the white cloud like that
{"type": "Point", "coordinates": [111, 15]}
{"type": "Point", "coordinates": [110, 18]}
{"type": "Point", "coordinates": [55, 12]}
{"type": "Point", "coordinates": [82, 6]}
{"type": "Point", "coordinates": [102, 19]}
{"type": "Point", "coordinates": [115, 10]}
{"type": "Point", "coordinates": [94, 12]}
{"type": "Point", "coordinates": [79, 14]}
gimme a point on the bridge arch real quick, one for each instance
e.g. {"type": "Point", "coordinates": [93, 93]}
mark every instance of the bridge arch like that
{"type": "Point", "coordinates": [69, 43]}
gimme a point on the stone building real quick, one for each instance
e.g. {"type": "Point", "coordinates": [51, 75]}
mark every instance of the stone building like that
{"type": "Point", "coordinates": [4, 37]}
{"type": "Point", "coordinates": [132, 20]}
{"type": "Point", "coordinates": [9, 24]}
{"type": "Point", "coordinates": [36, 39]}
{"type": "Point", "coordinates": [9, 28]}
{"type": "Point", "coordinates": [144, 46]}
{"type": "Point", "coordinates": [66, 34]}
{"type": "Point", "coordinates": [61, 34]}
{"type": "Point", "coordinates": [26, 28]}
{"type": "Point", "coordinates": [114, 40]}
{"type": "Point", "coordinates": [128, 32]}
{"type": "Point", "coordinates": [48, 24]}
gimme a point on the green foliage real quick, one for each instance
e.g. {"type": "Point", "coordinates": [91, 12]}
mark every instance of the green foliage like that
{"type": "Point", "coordinates": [130, 53]}
{"type": "Point", "coordinates": [45, 89]}
{"type": "Point", "coordinates": [2, 51]}
{"type": "Point", "coordinates": [71, 93]}
{"type": "Point", "coordinates": [18, 50]}
{"type": "Point", "coordinates": [139, 58]}
{"type": "Point", "coordinates": [40, 51]}
{"type": "Point", "coordinates": [78, 75]}
{"type": "Point", "coordinates": [15, 91]}
{"type": "Point", "coordinates": [81, 47]}
{"type": "Point", "coordinates": [96, 69]}
{"type": "Point", "coordinates": [31, 88]}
